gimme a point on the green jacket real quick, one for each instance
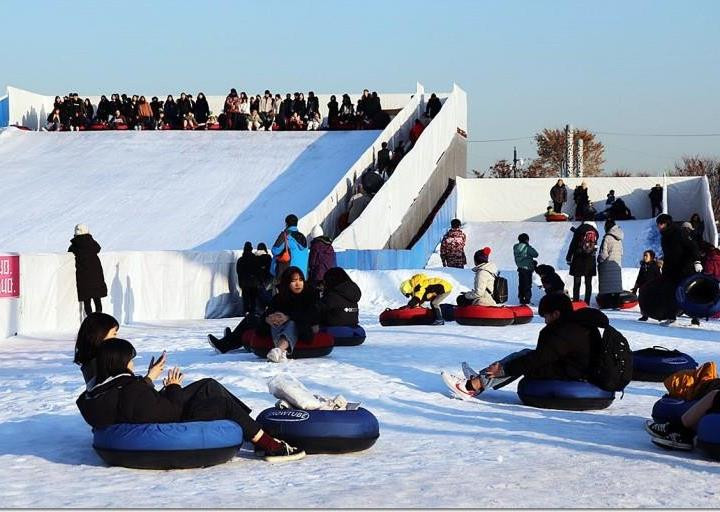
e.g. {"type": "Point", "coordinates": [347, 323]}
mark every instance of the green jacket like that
{"type": "Point", "coordinates": [524, 254]}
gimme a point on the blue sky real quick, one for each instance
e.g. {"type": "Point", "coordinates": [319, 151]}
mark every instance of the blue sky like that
{"type": "Point", "coordinates": [607, 66]}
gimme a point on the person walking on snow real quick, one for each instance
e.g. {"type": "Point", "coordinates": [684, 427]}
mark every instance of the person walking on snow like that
{"type": "Point", "coordinates": [484, 286]}
{"type": "Point", "coordinates": [580, 258]}
{"type": "Point", "coordinates": [89, 277]}
{"type": "Point", "coordinates": [649, 271]}
{"type": "Point", "coordinates": [452, 247]}
{"type": "Point", "coordinates": [524, 254]}
{"type": "Point", "coordinates": [421, 288]}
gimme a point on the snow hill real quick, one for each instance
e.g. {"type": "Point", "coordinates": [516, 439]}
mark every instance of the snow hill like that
{"type": "Point", "coordinates": [165, 190]}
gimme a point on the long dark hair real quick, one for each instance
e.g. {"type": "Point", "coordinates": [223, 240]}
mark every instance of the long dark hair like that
{"type": "Point", "coordinates": [112, 358]}
{"type": "Point", "coordinates": [91, 334]}
{"type": "Point", "coordinates": [284, 286]}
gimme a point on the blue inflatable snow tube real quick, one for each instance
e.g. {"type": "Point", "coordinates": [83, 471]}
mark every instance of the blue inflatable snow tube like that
{"type": "Point", "coordinates": [708, 435]}
{"type": "Point", "coordinates": [322, 431]}
{"type": "Point", "coordinates": [669, 409]}
{"type": "Point", "coordinates": [345, 336]}
{"type": "Point", "coordinates": [192, 444]}
{"type": "Point", "coordinates": [657, 363]}
{"type": "Point", "coordinates": [569, 395]}
{"type": "Point", "coordinates": [699, 296]}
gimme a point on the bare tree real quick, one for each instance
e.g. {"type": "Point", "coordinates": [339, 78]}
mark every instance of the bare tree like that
{"type": "Point", "coordinates": [501, 169]}
{"type": "Point", "coordinates": [551, 153]}
{"type": "Point", "coordinates": [621, 173]}
{"type": "Point", "coordinates": [702, 166]}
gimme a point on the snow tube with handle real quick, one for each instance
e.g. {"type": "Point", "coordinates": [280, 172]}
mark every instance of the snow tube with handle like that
{"type": "Point", "coordinates": [322, 431]}
{"type": "Point", "coordinates": [557, 217]}
{"type": "Point", "coordinates": [669, 409]}
{"type": "Point", "coordinates": [568, 395]}
{"type": "Point", "coordinates": [657, 299]}
{"type": "Point", "coordinates": [407, 316]}
{"type": "Point", "coordinates": [708, 435]}
{"type": "Point", "coordinates": [194, 444]}
{"type": "Point", "coordinates": [579, 304]}
{"type": "Point", "coordinates": [98, 127]}
{"type": "Point", "coordinates": [657, 363]}
{"type": "Point", "coordinates": [522, 314]}
{"type": "Point", "coordinates": [626, 300]}
{"type": "Point", "coordinates": [497, 316]}
{"type": "Point", "coordinates": [321, 345]}
{"type": "Point", "coordinates": [345, 336]}
{"type": "Point", "coordinates": [699, 296]}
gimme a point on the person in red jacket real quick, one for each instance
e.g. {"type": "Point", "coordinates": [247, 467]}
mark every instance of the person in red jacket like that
{"type": "Point", "coordinates": [416, 130]}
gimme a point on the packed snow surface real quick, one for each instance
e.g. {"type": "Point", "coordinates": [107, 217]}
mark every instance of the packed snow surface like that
{"type": "Point", "coordinates": [165, 190]}
{"type": "Point", "coordinates": [433, 451]}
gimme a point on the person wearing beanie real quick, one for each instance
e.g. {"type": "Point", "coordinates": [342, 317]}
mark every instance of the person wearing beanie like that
{"type": "Point", "coordinates": [422, 288]}
{"type": "Point", "coordinates": [551, 281]}
{"type": "Point", "coordinates": [452, 246]}
{"type": "Point", "coordinates": [322, 257]}
{"type": "Point", "coordinates": [89, 278]}
{"type": "Point", "coordinates": [484, 285]}
{"type": "Point", "coordinates": [681, 257]}
{"type": "Point", "coordinates": [525, 255]}
{"type": "Point", "coordinates": [563, 352]}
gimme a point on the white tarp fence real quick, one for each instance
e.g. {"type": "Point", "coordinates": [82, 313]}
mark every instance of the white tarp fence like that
{"type": "Point", "coordinates": [31, 109]}
{"type": "Point", "coordinates": [142, 286]}
{"type": "Point", "coordinates": [385, 212]}
{"type": "Point", "coordinates": [525, 199]}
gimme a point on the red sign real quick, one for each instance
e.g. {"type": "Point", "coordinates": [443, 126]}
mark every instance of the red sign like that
{"type": "Point", "coordinates": [9, 276]}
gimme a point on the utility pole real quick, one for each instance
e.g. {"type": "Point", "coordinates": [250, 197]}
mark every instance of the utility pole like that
{"type": "Point", "coordinates": [515, 161]}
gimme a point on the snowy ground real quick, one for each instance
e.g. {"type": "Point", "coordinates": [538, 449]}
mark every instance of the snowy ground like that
{"type": "Point", "coordinates": [165, 190]}
{"type": "Point", "coordinates": [433, 451]}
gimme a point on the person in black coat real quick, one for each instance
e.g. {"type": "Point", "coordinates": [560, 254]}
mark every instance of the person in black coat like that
{"type": "Point", "coordinates": [558, 194]}
{"type": "Point", "coordinates": [171, 111]}
{"type": "Point", "coordinates": [581, 259]}
{"type": "Point", "coordinates": [339, 302]}
{"type": "Point", "coordinates": [433, 106]}
{"type": "Point", "coordinates": [201, 110]}
{"type": "Point", "coordinates": [313, 103]}
{"type": "Point", "coordinates": [292, 315]}
{"type": "Point", "coordinates": [89, 276]}
{"type": "Point", "coordinates": [656, 198]}
{"type": "Point", "coordinates": [122, 397]}
{"type": "Point", "coordinates": [564, 350]}
{"type": "Point", "coordinates": [333, 109]}
{"type": "Point", "coordinates": [248, 279]}
{"type": "Point", "coordinates": [649, 271]}
{"type": "Point", "coordinates": [582, 202]}
{"type": "Point", "coordinates": [103, 110]}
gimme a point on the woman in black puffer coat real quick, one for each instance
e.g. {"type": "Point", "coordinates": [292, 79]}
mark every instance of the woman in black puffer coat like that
{"type": "Point", "coordinates": [88, 269]}
{"type": "Point", "coordinates": [339, 302]}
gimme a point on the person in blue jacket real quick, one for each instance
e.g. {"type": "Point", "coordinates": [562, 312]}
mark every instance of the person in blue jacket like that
{"type": "Point", "coordinates": [296, 245]}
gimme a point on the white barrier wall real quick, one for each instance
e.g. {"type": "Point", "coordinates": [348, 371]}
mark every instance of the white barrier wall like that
{"type": "Point", "coordinates": [384, 214]}
{"type": "Point", "coordinates": [525, 199]}
{"type": "Point", "coordinates": [142, 286]}
{"type": "Point", "coordinates": [328, 211]}
{"type": "Point", "coordinates": [30, 109]}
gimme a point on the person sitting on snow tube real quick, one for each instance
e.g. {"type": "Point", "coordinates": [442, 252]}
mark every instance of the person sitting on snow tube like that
{"type": "Point", "coordinates": [421, 288]}
{"type": "Point", "coordinates": [292, 315]}
{"type": "Point", "coordinates": [563, 351]}
{"type": "Point", "coordinates": [123, 397]}
{"type": "Point", "coordinates": [484, 286]}
{"type": "Point", "coordinates": [339, 301]}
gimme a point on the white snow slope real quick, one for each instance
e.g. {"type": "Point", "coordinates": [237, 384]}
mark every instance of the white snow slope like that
{"type": "Point", "coordinates": [433, 451]}
{"type": "Point", "coordinates": [165, 190]}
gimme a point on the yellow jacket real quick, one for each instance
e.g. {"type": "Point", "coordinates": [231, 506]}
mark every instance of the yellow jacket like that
{"type": "Point", "coordinates": [420, 288]}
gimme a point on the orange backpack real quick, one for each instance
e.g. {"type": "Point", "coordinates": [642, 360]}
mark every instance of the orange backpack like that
{"type": "Point", "coordinates": [284, 257]}
{"type": "Point", "coordinates": [686, 383]}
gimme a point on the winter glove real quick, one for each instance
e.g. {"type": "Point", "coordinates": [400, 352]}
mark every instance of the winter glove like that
{"type": "Point", "coordinates": [698, 267]}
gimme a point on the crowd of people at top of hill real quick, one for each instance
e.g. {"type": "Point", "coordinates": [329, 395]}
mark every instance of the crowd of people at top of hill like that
{"type": "Point", "coordinates": [240, 111]}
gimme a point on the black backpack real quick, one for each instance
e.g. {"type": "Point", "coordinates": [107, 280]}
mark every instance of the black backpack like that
{"type": "Point", "coordinates": [612, 365]}
{"type": "Point", "coordinates": [500, 288]}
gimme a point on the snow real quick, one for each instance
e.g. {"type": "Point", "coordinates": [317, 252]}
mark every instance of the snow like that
{"type": "Point", "coordinates": [433, 451]}
{"type": "Point", "coordinates": [165, 190]}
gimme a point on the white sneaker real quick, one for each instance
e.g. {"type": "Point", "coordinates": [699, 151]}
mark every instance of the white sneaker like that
{"type": "Point", "coordinates": [457, 386]}
{"type": "Point", "coordinates": [277, 355]}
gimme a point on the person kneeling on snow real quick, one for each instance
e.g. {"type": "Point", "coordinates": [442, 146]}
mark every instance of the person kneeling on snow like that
{"type": "Point", "coordinates": [421, 288]}
{"type": "Point", "coordinates": [485, 274]}
{"type": "Point", "coordinates": [563, 351]}
{"type": "Point", "coordinates": [292, 315]}
{"type": "Point", "coordinates": [123, 397]}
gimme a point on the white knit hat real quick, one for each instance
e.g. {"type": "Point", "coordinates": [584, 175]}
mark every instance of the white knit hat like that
{"type": "Point", "coordinates": [81, 229]}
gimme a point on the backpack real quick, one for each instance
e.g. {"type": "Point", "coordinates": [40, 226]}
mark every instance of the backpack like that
{"type": "Point", "coordinates": [612, 365]}
{"type": "Point", "coordinates": [500, 288]}
{"type": "Point", "coordinates": [284, 257]}
{"type": "Point", "coordinates": [589, 241]}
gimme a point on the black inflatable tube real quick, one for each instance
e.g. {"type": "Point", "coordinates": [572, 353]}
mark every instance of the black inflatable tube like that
{"type": "Point", "coordinates": [567, 404]}
{"type": "Point", "coordinates": [174, 459]}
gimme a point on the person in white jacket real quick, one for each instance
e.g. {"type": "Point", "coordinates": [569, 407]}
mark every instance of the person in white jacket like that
{"type": "Point", "coordinates": [485, 273]}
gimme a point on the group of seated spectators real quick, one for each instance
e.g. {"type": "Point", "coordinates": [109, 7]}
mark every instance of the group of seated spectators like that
{"type": "Point", "coordinates": [240, 112]}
